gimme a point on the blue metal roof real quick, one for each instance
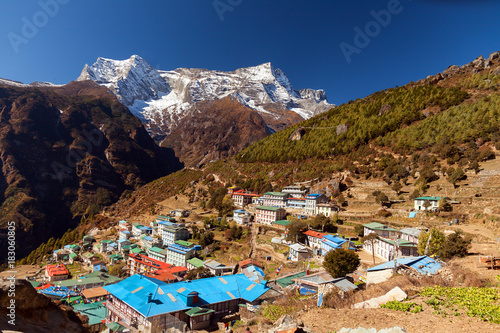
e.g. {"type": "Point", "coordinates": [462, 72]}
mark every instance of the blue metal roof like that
{"type": "Point", "coordinates": [166, 223]}
{"type": "Point", "coordinates": [134, 291]}
{"type": "Point", "coordinates": [423, 264]}
{"type": "Point", "coordinates": [312, 196]}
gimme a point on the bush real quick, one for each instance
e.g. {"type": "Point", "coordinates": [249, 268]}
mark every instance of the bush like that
{"type": "Point", "coordinates": [456, 245]}
{"type": "Point", "coordinates": [340, 262]}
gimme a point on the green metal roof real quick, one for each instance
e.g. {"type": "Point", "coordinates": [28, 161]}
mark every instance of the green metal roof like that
{"type": "Point", "coordinates": [288, 280]}
{"type": "Point", "coordinates": [92, 278]}
{"type": "Point", "coordinates": [73, 255]}
{"type": "Point", "coordinates": [184, 243]}
{"type": "Point", "coordinates": [116, 256]}
{"type": "Point", "coordinates": [115, 327]}
{"type": "Point", "coordinates": [276, 194]}
{"type": "Point", "coordinates": [136, 250]}
{"type": "Point", "coordinates": [402, 242]}
{"type": "Point", "coordinates": [95, 311]}
{"type": "Point", "coordinates": [156, 249]}
{"type": "Point", "coordinates": [282, 222]}
{"type": "Point", "coordinates": [429, 198]}
{"type": "Point", "coordinates": [74, 246]}
{"type": "Point", "coordinates": [378, 226]}
{"type": "Point", "coordinates": [35, 283]}
{"type": "Point", "coordinates": [197, 311]}
{"type": "Point", "coordinates": [107, 241]}
{"type": "Point", "coordinates": [268, 208]}
{"type": "Point", "coordinates": [195, 262]}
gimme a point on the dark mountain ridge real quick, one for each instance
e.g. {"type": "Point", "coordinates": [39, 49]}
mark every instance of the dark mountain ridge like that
{"type": "Point", "coordinates": [66, 152]}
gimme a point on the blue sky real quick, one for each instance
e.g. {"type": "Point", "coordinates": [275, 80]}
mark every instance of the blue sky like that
{"type": "Point", "coordinates": [303, 38]}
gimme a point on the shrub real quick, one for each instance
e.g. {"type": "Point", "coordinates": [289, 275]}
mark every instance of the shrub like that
{"type": "Point", "coordinates": [340, 262]}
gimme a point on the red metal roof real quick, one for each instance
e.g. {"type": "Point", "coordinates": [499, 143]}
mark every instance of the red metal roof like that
{"type": "Point", "coordinates": [314, 234]}
{"type": "Point", "coordinates": [58, 269]}
{"type": "Point", "coordinates": [250, 261]}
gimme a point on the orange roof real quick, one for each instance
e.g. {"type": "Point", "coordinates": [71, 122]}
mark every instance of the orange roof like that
{"type": "Point", "coordinates": [58, 269]}
{"type": "Point", "coordinates": [94, 292]}
{"type": "Point", "coordinates": [245, 194]}
{"type": "Point", "coordinates": [163, 276]}
{"type": "Point", "coordinates": [314, 234]}
{"type": "Point", "coordinates": [250, 261]}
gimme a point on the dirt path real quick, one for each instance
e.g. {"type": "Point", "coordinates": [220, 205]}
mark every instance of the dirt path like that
{"type": "Point", "coordinates": [423, 322]}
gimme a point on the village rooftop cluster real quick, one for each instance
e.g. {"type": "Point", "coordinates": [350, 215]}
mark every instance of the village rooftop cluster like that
{"type": "Point", "coordinates": [157, 257]}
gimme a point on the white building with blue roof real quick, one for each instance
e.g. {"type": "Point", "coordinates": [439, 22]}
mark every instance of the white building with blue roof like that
{"type": "Point", "coordinates": [330, 242]}
{"type": "Point", "coordinates": [149, 305]}
{"type": "Point", "coordinates": [178, 255]}
{"type": "Point", "coordinates": [311, 201]}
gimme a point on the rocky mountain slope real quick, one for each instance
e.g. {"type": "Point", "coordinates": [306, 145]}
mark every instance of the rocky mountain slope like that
{"type": "Point", "coordinates": [37, 313]}
{"type": "Point", "coordinates": [65, 152]}
{"type": "Point", "coordinates": [164, 100]}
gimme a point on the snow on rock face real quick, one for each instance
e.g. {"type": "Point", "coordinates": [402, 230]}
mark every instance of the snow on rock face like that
{"type": "Point", "coordinates": [162, 97]}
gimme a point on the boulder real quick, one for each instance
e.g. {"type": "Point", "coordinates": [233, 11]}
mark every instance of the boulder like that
{"type": "Point", "coordinates": [342, 128]}
{"type": "Point", "coordinates": [384, 109]}
{"type": "Point", "coordinates": [494, 55]}
{"type": "Point", "coordinates": [297, 134]}
{"type": "Point", "coordinates": [451, 70]}
{"type": "Point", "coordinates": [288, 323]}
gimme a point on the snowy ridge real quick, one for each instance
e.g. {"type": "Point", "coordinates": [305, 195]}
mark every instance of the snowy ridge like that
{"type": "Point", "coordinates": [162, 97]}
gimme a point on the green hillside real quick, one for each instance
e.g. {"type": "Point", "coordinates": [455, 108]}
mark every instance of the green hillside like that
{"type": "Point", "coordinates": [366, 121]}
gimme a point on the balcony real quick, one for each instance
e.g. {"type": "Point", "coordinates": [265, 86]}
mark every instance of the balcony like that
{"type": "Point", "coordinates": [120, 313]}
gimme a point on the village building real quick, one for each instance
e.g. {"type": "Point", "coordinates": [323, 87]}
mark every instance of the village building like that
{"type": "Point", "coordinates": [241, 216]}
{"type": "Point", "coordinates": [123, 234]}
{"type": "Point", "coordinates": [96, 294]}
{"type": "Point", "coordinates": [92, 280]}
{"type": "Point", "coordinates": [157, 254]}
{"type": "Point", "coordinates": [194, 263]}
{"type": "Point", "coordinates": [148, 242]}
{"type": "Point", "coordinates": [299, 252]}
{"type": "Point", "coordinates": [313, 238]}
{"type": "Point", "coordinates": [411, 234]}
{"type": "Point", "coordinates": [121, 243]}
{"type": "Point", "coordinates": [216, 268]}
{"type": "Point", "coordinates": [268, 215]}
{"type": "Point", "coordinates": [314, 282]}
{"type": "Point", "coordinates": [275, 199]}
{"type": "Point", "coordinates": [88, 257]}
{"type": "Point", "coordinates": [73, 257]}
{"type": "Point", "coordinates": [327, 209]}
{"type": "Point", "coordinates": [104, 245]}
{"type": "Point", "coordinates": [296, 203]}
{"type": "Point", "coordinates": [178, 255]}
{"type": "Point", "coordinates": [98, 266]}
{"type": "Point", "coordinates": [173, 233]}
{"type": "Point", "coordinates": [61, 255]}
{"type": "Point", "coordinates": [149, 305]}
{"type": "Point", "coordinates": [73, 248]}
{"type": "Point", "coordinates": [231, 190]}
{"type": "Point", "coordinates": [433, 203]}
{"type": "Point", "coordinates": [312, 200]}
{"type": "Point", "coordinates": [250, 262]}
{"type": "Point", "coordinates": [295, 191]}
{"type": "Point", "coordinates": [96, 312]}
{"type": "Point", "coordinates": [381, 229]}
{"type": "Point", "coordinates": [329, 243]}
{"type": "Point", "coordinates": [281, 224]}
{"type": "Point", "coordinates": [139, 230]}
{"type": "Point", "coordinates": [388, 249]}
{"type": "Point", "coordinates": [115, 258]}
{"type": "Point", "coordinates": [56, 272]}
{"type": "Point", "coordinates": [242, 198]}
{"type": "Point", "coordinates": [422, 265]}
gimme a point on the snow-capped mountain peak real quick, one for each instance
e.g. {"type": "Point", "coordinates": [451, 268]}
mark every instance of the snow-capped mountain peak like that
{"type": "Point", "coordinates": [161, 98]}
